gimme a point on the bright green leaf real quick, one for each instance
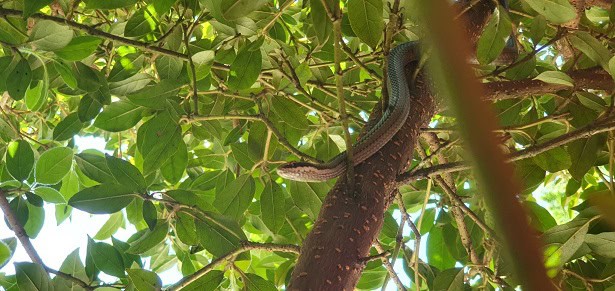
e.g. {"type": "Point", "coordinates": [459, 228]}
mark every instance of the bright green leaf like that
{"type": "Point", "coordinates": [53, 165]}
{"type": "Point", "coordinates": [556, 11]}
{"type": "Point", "coordinates": [19, 159]}
{"type": "Point", "coordinates": [50, 36]}
{"type": "Point", "coordinates": [366, 20]}
{"type": "Point", "coordinates": [79, 48]}
{"type": "Point", "coordinates": [102, 199]}
{"type": "Point", "coordinates": [68, 127]}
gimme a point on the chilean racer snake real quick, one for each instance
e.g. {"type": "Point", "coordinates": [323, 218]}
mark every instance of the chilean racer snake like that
{"type": "Point", "coordinates": [389, 124]}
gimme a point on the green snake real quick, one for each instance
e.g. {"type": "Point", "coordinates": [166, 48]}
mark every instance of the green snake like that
{"type": "Point", "coordinates": [393, 118]}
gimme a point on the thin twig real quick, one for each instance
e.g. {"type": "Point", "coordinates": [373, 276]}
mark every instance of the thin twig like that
{"type": "Point", "coordinates": [245, 246]}
{"type": "Point", "coordinates": [584, 132]}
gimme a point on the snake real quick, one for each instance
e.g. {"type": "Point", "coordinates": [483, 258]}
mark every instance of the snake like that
{"type": "Point", "coordinates": [392, 119]}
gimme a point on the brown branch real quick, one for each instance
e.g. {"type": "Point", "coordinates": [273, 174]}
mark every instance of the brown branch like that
{"type": "Point", "coordinates": [584, 132]}
{"type": "Point", "coordinates": [593, 78]}
{"type": "Point", "coordinates": [21, 234]}
{"type": "Point", "coordinates": [149, 47]}
{"type": "Point", "coordinates": [246, 246]}
{"type": "Point", "coordinates": [391, 272]}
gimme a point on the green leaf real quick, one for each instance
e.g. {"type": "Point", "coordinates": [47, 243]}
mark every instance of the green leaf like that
{"type": "Point", "coordinates": [366, 20]}
{"type": "Point", "coordinates": [493, 39]}
{"type": "Point", "coordinates": [19, 159]}
{"type": "Point", "coordinates": [158, 139]}
{"type": "Point", "coordinates": [155, 96]}
{"type": "Point", "coordinates": [49, 194]}
{"type": "Point", "coordinates": [273, 206]}
{"type": "Point", "coordinates": [611, 65]}
{"type": "Point", "coordinates": [6, 253]}
{"type": "Point", "coordinates": [320, 20]}
{"type": "Point", "coordinates": [150, 215]}
{"type": "Point", "coordinates": [144, 280]}
{"type": "Point", "coordinates": [95, 167]}
{"type": "Point", "coordinates": [50, 36]}
{"type": "Point", "coordinates": [205, 181]}
{"type": "Point", "coordinates": [308, 196]}
{"type": "Point", "coordinates": [186, 229]}
{"type": "Point", "coordinates": [87, 78]}
{"type": "Point", "coordinates": [603, 244]}
{"type": "Point", "coordinates": [170, 68]}
{"type": "Point", "coordinates": [36, 96]}
{"type": "Point", "coordinates": [21, 210]}
{"type": "Point", "coordinates": [583, 153]}
{"type": "Point", "coordinates": [592, 101]}
{"type": "Point", "coordinates": [73, 266]}
{"type": "Point", "coordinates": [256, 282]}
{"type": "Point", "coordinates": [233, 9]}
{"type": "Point", "coordinates": [13, 30]}
{"type": "Point", "coordinates": [126, 66]}
{"type": "Point", "coordinates": [245, 69]}
{"type": "Point", "coordinates": [150, 239]}
{"type": "Point", "coordinates": [538, 28]}
{"type": "Point", "coordinates": [66, 73]}
{"type": "Point", "coordinates": [219, 234]}
{"type": "Point", "coordinates": [159, 8]}
{"type": "Point", "coordinates": [89, 108]}
{"type": "Point", "coordinates": [290, 113]}
{"type": "Point", "coordinates": [236, 197]}
{"type": "Point", "coordinates": [79, 48]}
{"type": "Point", "coordinates": [174, 168]}
{"type": "Point", "coordinates": [115, 221]}
{"type": "Point", "coordinates": [438, 254]}
{"type": "Point", "coordinates": [131, 84]}
{"type": "Point", "coordinates": [102, 199]}
{"type": "Point", "coordinates": [591, 47]}
{"type": "Point", "coordinates": [68, 127]}
{"type": "Point", "coordinates": [108, 4]}
{"type": "Point", "coordinates": [53, 165]}
{"type": "Point", "coordinates": [126, 174]}
{"type": "Point", "coordinates": [556, 11]}
{"type": "Point", "coordinates": [6, 66]}
{"type": "Point", "coordinates": [119, 116]}
{"type": "Point", "coordinates": [554, 160]}
{"type": "Point", "coordinates": [209, 281]}
{"type": "Point", "coordinates": [32, 6]}
{"type": "Point", "coordinates": [31, 276]}
{"type": "Point", "coordinates": [202, 64]}
{"type": "Point", "coordinates": [107, 259]}
{"type": "Point", "coordinates": [140, 23]}
{"type": "Point", "coordinates": [555, 77]}
{"type": "Point", "coordinates": [530, 174]}
{"type": "Point", "coordinates": [18, 80]}
{"type": "Point", "coordinates": [562, 241]}
{"type": "Point", "coordinates": [450, 279]}
{"type": "Point", "coordinates": [34, 199]}
{"type": "Point", "coordinates": [540, 218]}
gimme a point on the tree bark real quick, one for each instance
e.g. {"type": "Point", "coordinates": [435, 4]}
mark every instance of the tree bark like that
{"type": "Point", "coordinates": [335, 252]}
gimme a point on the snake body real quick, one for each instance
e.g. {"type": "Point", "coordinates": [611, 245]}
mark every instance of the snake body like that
{"type": "Point", "coordinates": [393, 118]}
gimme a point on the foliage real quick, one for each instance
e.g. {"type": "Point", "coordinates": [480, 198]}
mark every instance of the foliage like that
{"type": "Point", "coordinates": [199, 101]}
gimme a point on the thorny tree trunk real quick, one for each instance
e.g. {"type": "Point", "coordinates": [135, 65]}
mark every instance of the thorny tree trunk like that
{"type": "Point", "coordinates": [333, 254]}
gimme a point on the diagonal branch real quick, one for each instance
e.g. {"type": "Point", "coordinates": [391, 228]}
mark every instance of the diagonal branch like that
{"type": "Point", "coordinates": [21, 234]}
{"type": "Point", "coordinates": [584, 132]}
{"type": "Point", "coordinates": [246, 246]}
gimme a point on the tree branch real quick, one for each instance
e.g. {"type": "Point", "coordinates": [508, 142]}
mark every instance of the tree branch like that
{"type": "Point", "coordinates": [584, 132]}
{"type": "Point", "coordinates": [246, 246]}
{"type": "Point", "coordinates": [21, 234]}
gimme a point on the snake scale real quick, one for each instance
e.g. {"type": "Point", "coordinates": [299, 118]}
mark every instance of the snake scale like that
{"type": "Point", "coordinates": [393, 117]}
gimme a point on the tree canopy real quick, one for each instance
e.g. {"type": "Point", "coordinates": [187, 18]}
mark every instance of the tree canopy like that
{"type": "Point", "coordinates": [199, 101]}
